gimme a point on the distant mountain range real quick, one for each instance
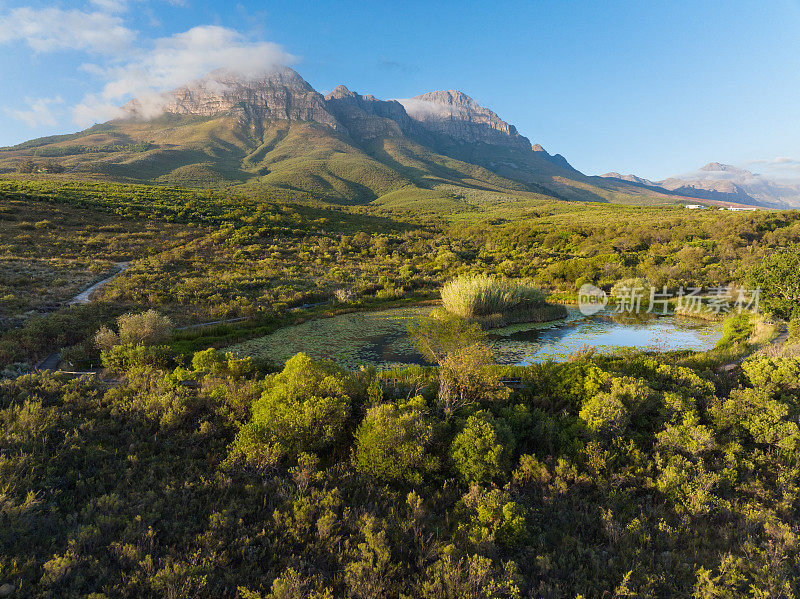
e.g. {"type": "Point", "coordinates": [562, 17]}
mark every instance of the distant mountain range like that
{"type": "Point", "coordinates": [724, 183]}
{"type": "Point", "coordinates": [276, 134]}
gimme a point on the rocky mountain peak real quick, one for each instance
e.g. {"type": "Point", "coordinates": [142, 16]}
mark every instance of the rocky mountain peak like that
{"type": "Point", "coordinates": [717, 166]}
{"type": "Point", "coordinates": [450, 97]}
{"type": "Point", "coordinates": [451, 116]}
{"type": "Point", "coordinates": [340, 93]}
{"type": "Point", "coordinates": [278, 95]}
{"type": "Point", "coordinates": [455, 114]}
{"type": "Point", "coordinates": [629, 178]}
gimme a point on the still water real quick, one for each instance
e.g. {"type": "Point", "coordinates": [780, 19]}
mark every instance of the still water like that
{"type": "Point", "coordinates": [381, 338]}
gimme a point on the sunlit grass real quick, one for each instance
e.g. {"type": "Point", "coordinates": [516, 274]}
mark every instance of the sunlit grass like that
{"type": "Point", "coordinates": [472, 296]}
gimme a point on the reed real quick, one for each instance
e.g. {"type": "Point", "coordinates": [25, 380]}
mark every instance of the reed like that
{"type": "Point", "coordinates": [471, 296]}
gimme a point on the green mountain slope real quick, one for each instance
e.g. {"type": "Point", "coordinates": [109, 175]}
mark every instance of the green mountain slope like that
{"type": "Point", "coordinates": [278, 134]}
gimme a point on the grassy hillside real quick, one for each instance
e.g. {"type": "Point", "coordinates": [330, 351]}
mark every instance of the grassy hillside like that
{"type": "Point", "coordinates": [263, 157]}
{"type": "Point", "coordinates": [202, 255]}
{"type": "Point", "coordinates": [184, 472]}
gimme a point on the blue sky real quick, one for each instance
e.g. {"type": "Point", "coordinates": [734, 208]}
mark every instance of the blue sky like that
{"type": "Point", "coordinates": [652, 88]}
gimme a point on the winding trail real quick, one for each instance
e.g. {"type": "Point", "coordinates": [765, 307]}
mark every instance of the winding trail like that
{"type": "Point", "coordinates": [777, 343]}
{"type": "Point", "coordinates": [83, 296]}
{"type": "Point", "coordinates": [52, 361]}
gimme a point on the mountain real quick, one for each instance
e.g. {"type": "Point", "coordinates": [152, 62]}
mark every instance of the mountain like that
{"type": "Point", "coordinates": [629, 179]}
{"type": "Point", "coordinates": [276, 134]}
{"type": "Point", "coordinates": [724, 183]}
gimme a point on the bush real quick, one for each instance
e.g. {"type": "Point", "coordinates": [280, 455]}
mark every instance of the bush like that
{"type": "Point", "coordinates": [219, 364]}
{"type": "Point", "coordinates": [305, 409]}
{"type": "Point", "coordinates": [626, 287]}
{"type": "Point", "coordinates": [778, 278]}
{"type": "Point", "coordinates": [442, 333]}
{"type": "Point", "coordinates": [610, 413]}
{"type": "Point", "coordinates": [493, 518]}
{"type": "Point", "coordinates": [391, 442]}
{"type": "Point", "coordinates": [468, 375]}
{"type": "Point", "coordinates": [146, 327]}
{"type": "Point", "coordinates": [123, 357]}
{"type": "Point", "coordinates": [794, 330]}
{"type": "Point", "coordinates": [469, 296]}
{"type": "Point", "coordinates": [605, 413]}
{"type": "Point", "coordinates": [105, 339]}
{"type": "Point", "coordinates": [478, 454]}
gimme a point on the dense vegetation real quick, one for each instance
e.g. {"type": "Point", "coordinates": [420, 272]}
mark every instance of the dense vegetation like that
{"type": "Point", "coordinates": [181, 470]}
{"type": "Point", "coordinates": [201, 256]}
{"type": "Point", "coordinates": [610, 475]}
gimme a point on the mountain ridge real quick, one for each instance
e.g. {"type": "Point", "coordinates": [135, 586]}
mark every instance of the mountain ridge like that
{"type": "Point", "coordinates": [275, 132]}
{"type": "Point", "coordinates": [721, 182]}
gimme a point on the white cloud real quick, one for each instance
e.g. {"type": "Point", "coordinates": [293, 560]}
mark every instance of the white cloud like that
{"type": "Point", "coordinates": [782, 167]}
{"type": "Point", "coordinates": [422, 109]}
{"type": "Point", "coordinates": [40, 112]}
{"type": "Point", "coordinates": [175, 61]}
{"type": "Point", "coordinates": [111, 5]}
{"type": "Point", "coordinates": [50, 29]}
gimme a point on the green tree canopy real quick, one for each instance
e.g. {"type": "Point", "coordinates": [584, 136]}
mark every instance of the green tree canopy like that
{"type": "Point", "coordinates": [778, 277]}
{"type": "Point", "coordinates": [391, 442]}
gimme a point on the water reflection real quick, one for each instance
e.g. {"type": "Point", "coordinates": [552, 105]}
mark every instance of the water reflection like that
{"type": "Point", "coordinates": [604, 332]}
{"type": "Point", "coordinates": [381, 338]}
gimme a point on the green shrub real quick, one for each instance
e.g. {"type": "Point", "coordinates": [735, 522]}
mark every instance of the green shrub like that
{"type": "Point", "coordinates": [493, 518]}
{"type": "Point", "coordinates": [482, 295]}
{"type": "Point", "coordinates": [609, 413]}
{"type": "Point", "coordinates": [736, 330]}
{"type": "Point", "coordinates": [390, 444]}
{"type": "Point", "coordinates": [778, 277]}
{"type": "Point", "coordinates": [478, 452]}
{"type": "Point", "coordinates": [123, 357]}
{"type": "Point", "coordinates": [218, 364]}
{"type": "Point", "coordinates": [305, 409]}
{"type": "Point", "coordinates": [794, 330]}
{"type": "Point", "coordinates": [146, 327]}
{"type": "Point", "coordinates": [605, 413]}
{"type": "Point", "coordinates": [626, 287]}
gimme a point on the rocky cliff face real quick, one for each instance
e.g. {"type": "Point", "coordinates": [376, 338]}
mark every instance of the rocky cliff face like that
{"type": "Point", "coordinates": [451, 116]}
{"type": "Point", "coordinates": [366, 117]}
{"type": "Point", "coordinates": [455, 114]}
{"type": "Point", "coordinates": [281, 95]}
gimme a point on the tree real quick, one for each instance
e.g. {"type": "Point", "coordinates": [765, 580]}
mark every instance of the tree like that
{"type": "Point", "coordinates": [466, 364]}
{"type": "Point", "coordinates": [442, 333]}
{"type": "Point", "coordinates": [778, 278]}
{"type": "Point", "coordinates": [467, 375]}
{"type": "Point", "coordinates": [305, 409]}
{"type": "Point", "coordinates": [391, 442]}
{"type": "Point", "coordinates": [478, 452]}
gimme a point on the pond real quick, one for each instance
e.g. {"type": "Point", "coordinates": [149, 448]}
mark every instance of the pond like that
{"type": "Point", "coordinates": [381, 338]}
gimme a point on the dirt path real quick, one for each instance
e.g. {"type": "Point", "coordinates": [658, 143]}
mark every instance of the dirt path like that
{"type": "Point", "coordinates": [83, 296]}
{"type": "Point", "coordinates": [776, 343]}
{"type": "Point", "coordinates": [52, 361]}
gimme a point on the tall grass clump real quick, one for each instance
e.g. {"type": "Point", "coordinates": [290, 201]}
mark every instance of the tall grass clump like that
{"type": "Point", "coordinates": [475, 296]}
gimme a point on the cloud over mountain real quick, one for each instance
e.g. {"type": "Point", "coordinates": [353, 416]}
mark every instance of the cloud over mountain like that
{"type": "Point", "coordinates": [123, 63]}
{"type": "Point", "coordinates": [175, 61]}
